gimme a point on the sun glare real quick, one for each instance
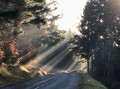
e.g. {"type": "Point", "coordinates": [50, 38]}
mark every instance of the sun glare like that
{"type": "Point", "coordinates": [71, 11]}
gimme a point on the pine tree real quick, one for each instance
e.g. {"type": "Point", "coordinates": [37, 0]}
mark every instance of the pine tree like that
{"type": "Point", "coordinates": [100, 30]}
{"type": "Point", "coordinates": [12, 14]}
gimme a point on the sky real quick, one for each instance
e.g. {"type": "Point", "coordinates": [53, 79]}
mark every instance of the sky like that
{"type": "Point", "coordinates": [71, 11]}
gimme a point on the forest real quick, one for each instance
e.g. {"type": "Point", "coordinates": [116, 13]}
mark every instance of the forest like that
{"type": "Point", "coordinates": [28, 26]}
{"type": "Point", "coordinates": [100, 40]}
{"type": "Point", "coordinates": [19, 23]}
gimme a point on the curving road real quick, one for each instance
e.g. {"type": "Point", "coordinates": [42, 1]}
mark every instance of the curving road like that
{"type": "Point", "coordinates": [53, 81]}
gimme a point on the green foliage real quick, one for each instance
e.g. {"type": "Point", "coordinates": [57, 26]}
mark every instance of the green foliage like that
{"type": "Point", "coordinates": [10, 9]}
{"type": "Point", "coordinates": [51, 38]}
{"type": "Point", "coordinates": [14, 13]}
{"type": "Point", "coordinates": [35, 12]}
{"type": "Point", "coordinates": [100, 32]}
{"type": "Point", "coordinates": [87, 82]}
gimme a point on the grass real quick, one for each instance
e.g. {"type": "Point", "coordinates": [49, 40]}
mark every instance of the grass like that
{"type": "Point", "coordinates": [87, 82]}
{"type": "Point", "coordinates": [11, 74]}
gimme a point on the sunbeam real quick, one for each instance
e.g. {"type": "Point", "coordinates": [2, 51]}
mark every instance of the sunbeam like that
{"type": "Point", "coordinates": [54, 59]}
{"type": "Point", "coordinates": [51, 51]}
{"type": "Point", "coordinates": [58, 60]}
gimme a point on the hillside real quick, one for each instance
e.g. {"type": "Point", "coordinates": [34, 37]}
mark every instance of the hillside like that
{"type": "Point", "coordinates": [11, 74]}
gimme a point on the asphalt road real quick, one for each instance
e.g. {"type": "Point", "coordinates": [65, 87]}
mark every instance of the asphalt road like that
{"type": "Point", "coordinates": [53, 81]}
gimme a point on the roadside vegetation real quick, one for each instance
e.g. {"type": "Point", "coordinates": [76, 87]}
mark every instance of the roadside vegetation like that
{"type": "Point", "coordinates": [88, 82]}
{"type": "Point", "coordinates": [11, 74]}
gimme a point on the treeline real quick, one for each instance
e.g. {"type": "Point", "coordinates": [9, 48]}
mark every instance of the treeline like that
{"type": "Point", "coordinates": [16, 42]}
{"type": "Point", "coordinates": [99, 43]}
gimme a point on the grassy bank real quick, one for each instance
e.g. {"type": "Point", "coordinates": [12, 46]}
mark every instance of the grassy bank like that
{"type": "Point", "coordinates": [87, 82]}
{"type": "Point", "coordinates": [11, 74]}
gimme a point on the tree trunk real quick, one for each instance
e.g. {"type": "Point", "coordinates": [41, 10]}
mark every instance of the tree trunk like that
{"type": "Point", "coordinates": [88, 66]}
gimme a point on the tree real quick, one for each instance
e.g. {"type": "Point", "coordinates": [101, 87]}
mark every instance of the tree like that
{"type": "Point", "coordinates": [14, 13]}
{"type": "Point", "coordinates": [100, 30]}
{"type": "Point", "coordinates": [9, 13]}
